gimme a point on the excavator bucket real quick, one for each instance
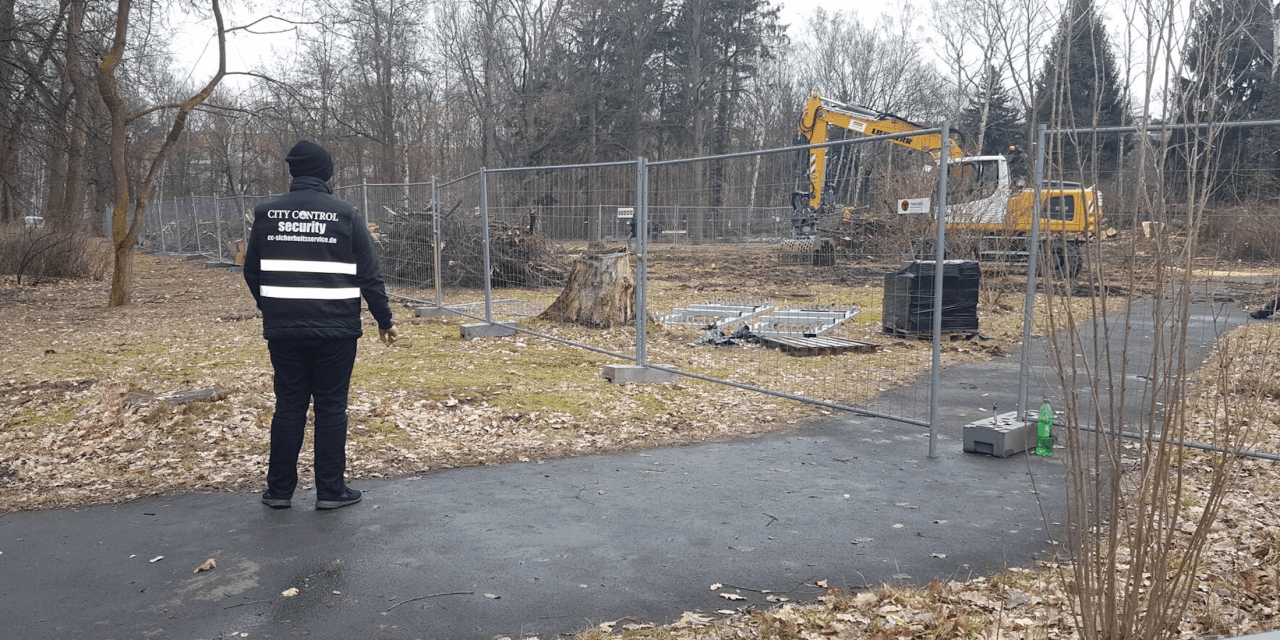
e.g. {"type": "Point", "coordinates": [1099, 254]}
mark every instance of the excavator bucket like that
{"type": "Point", "coordinates": [815, 251]}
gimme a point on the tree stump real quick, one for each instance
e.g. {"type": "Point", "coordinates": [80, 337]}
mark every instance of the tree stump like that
{"type": "Point", "coordinates": [600, 292]}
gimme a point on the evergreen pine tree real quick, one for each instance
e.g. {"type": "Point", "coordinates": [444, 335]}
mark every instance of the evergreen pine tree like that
{"type": "Point", "coordinates": [1079, 87]}
{"type": "Point", "coordinates": [1230, 76]}
{"type": "Point", "coordinates": [1000, 128]}
{"type": "Point", "coordinates": [1262, 152]}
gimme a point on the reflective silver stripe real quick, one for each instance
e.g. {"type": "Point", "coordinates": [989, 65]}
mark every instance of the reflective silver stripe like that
{"type": "Point", "coordinates": [309, 266]}
{"type": "Point", "coordinates": [310, 293]}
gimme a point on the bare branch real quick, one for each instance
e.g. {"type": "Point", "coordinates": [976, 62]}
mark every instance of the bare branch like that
{"type": "Point", "coordinates": [248, 28]}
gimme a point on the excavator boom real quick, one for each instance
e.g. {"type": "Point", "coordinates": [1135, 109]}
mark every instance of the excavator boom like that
{"type": "Point", "coordinates": [819, 113]}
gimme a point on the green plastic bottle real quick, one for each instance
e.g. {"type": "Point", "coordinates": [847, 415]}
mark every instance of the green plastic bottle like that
{"type": "Point", "coordinates": [1044, 431]}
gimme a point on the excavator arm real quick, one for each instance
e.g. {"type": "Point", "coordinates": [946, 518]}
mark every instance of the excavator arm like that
{"type": "Point", "coordinates": [820, 113]}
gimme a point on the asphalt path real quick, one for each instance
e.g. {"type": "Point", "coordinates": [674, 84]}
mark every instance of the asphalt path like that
{"type": "Point", "coordinates": [549, 548]}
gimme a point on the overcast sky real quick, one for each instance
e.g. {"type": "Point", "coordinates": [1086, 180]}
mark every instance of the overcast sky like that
{"type": "Point", "coordinates": [197, 53]}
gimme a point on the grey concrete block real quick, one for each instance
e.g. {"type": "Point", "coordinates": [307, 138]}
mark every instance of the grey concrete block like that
{"type": "Point", "coordinates": [1002, 436]}
{"type": "Point", "coordinates": [434, 312]}
{"type": "Point", "coordinates": [237, 269]}
{"type": "Point", "coordinates": [487, 330]}
{"type": "Point", "coordinates": [624, 373]}
{"type": "Point", "coordinates": [194, 256]}
{"type": "Point", "coordinates": [218, 265]}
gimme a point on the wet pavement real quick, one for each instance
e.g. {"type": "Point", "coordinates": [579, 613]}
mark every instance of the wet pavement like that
{"type": "Point", "coordinates": [551, 548]}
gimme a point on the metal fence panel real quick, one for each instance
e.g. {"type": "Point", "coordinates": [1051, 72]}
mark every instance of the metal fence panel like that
{"type": "Point", "coordinates": [204, 210]}
{"type": "Point", "coordinates": [1170, 206]}
{"type": "Point", "coordinates": [233, 214]}
{"type": "Point", "coordinates": [400, 220]}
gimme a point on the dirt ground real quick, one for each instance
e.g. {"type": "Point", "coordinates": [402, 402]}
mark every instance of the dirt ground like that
{"type": "Point", "coordinates": [173, 393]}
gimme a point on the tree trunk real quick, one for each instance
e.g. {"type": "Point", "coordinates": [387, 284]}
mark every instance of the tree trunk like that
{"type": "Point", "coordinates": [109, 89]}
{"type": "Point", "coordinates": [8, 117]}
{"type": "Point", "coordinates": [600, 293]}
{"type": "Point", "coordinates": [121, 275]}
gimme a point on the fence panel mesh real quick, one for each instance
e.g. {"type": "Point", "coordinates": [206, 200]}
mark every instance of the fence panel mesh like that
{"type": "Point", "coordinates": [204, 213]}
{"type": "Point", "coordinates": [541, 220]}
{"type": "Point", "coordinates": [400, 220]}
{"type": "Point", "coordinates": [829, 301]}
{"type": "Point", "coordinates": [746, 296]}
{"type": "Point", "coordinates": [233, 214]}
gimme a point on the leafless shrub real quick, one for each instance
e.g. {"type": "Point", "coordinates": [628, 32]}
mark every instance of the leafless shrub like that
{"type": "Point", "coordinates": [42, 254]}
{"type": "Point", "coordinates": [1134, 540]}
{"type": "Point", "coordinates": [1250, 232]}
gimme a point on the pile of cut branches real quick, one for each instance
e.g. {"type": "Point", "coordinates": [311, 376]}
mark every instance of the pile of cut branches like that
{"type": "Point", "coordinates": [519, 255]}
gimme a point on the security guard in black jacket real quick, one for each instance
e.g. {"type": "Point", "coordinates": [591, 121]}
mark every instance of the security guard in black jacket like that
{"type": "Point", "coordinates": [309, 261]}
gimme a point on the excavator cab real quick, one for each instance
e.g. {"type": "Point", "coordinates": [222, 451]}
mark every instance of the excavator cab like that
{"type": "Point", "coordinates": [974, 180]}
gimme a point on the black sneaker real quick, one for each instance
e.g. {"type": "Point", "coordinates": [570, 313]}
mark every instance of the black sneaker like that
{"type": "Point", "coordinates": [347, 497]}
{"type": "Point", "coordinates": [276, 503]}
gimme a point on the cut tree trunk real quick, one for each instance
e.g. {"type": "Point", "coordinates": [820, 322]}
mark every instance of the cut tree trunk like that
{"type": "Point", "coordinates": [600, 292]}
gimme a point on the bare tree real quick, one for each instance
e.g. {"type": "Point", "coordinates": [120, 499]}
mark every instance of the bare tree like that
{"type": "Point", "coordinates": [474, 46]}
{"type": "Point", "coordinates": [69, 198]}
{"type": "Point", "coordinates": [28, 58]}
{"type": "Point", "coordinates": [7, 159]}
{"type": "Point", "coordinates": [614, 48]}
{"type": "Point", "coordinates": [124, 233]}
{"type": "Point", "coordinates": [1007, 36]}
{"type": "Point", "coordinates": [385, 77]}
{"type": "Point", "coordinates": [879, 65]}
{"type": "Point", "coordinates": [975, 68]}
{"type": "Point", "coordinates": [543, 91]}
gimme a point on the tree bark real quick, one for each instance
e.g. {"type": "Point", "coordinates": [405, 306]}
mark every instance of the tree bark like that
{"type": "Point", "coordinates": [600, 293]}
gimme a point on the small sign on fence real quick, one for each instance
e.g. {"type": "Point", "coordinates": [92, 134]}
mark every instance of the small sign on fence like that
{"type": "Point", "coordinates": [913, 205]}
{"type": "Point", "coordinates": [626, 213]}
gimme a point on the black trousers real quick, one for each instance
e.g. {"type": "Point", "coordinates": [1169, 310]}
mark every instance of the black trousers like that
{"type": "Point", "coordinates": [307, 370]}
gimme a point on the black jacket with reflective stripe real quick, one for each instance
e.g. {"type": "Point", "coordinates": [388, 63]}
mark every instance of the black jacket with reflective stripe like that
{"type": "Point", "coordinates": [308, 262]}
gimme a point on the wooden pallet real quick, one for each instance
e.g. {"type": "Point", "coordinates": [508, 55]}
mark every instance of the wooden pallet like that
{"type": "Point", "coordinates": [947, 336]}
{"type": "Point", "coordinates": [818, 346]}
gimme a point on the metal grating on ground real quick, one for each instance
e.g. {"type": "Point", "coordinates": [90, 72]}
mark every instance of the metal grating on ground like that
{"type": "Point", "coordinates": [717, 315]}
{"type": "Point", "coordinates": [801, 323]}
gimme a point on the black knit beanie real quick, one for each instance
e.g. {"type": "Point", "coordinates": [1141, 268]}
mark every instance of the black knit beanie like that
{"type": "Point", "coordinates": [309, 159]}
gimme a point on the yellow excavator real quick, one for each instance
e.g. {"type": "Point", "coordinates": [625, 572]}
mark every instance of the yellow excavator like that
{"type": "Point", "coordinates": [980, 196]}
